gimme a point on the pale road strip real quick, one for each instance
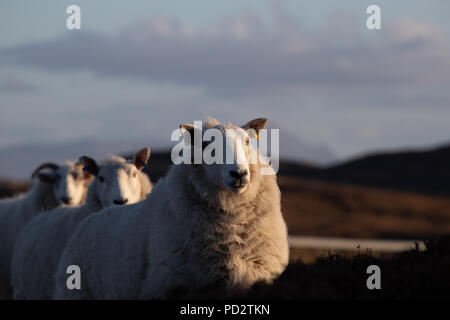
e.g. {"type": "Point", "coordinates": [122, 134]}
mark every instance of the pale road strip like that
{"type": "Point", "coordinates": [352, 244]}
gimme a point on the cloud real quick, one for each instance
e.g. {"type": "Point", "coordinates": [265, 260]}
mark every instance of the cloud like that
{"type": "Point", "coordinates": [242, 54]}
{"type": "Point", "coordinates": [14, 84]}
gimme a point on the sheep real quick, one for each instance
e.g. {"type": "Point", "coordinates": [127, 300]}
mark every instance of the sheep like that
{"type": "Point", "coordinates": [42, 241]}
{"type": "Point", "coordinates": [216, 225]}
{"type": "Point", "coordinates": [60, 186]}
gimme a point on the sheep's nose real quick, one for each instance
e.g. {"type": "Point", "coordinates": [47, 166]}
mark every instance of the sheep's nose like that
{"type": "Point", "coordinates": [66, 200]}
{"type": "Point", "coordinates": [238, 174]}
{"type": "Point", "coordinates": [121, 201]}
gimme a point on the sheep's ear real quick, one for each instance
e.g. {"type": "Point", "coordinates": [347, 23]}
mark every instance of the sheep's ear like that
{"type": "Point", "coordinates": [46, 165]}
{"type": "Point", "coordinates": [89, 165]}
{"type": "Point", "coordinates": [256, 124]}
{"type": "Point", "coordinates": [188, 132]}
{"type": "Point", "coordinates": [86, 175]}
{"type": "Point", "coordinates": [44, 177]}
{"type": "Point", "coordinates": [141, 158]}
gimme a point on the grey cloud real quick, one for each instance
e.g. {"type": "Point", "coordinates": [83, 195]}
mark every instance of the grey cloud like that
{"type": "Point", "coordinates": [242, 54]}
{"type": "Point", "coordinates": [13, 84]}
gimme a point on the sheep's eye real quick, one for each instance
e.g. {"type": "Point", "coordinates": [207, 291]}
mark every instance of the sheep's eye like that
{"type": "Point", "coordinates": [75, 175]}
{"type": "Point", "coordinates": [134, 174]}
{"type": "Point", "coordinates": [247, 140]}
{"type": "Point", "coordinates": [101, 178]}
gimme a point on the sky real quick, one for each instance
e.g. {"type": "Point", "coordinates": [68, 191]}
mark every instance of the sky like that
{"type": "Point", "coordinates": [140, 68]}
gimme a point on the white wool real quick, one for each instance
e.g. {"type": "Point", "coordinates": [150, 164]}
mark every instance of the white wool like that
{"type": "Point", "coordinates": [188, 233]}
{"type": "Point", "coordinates": [114, 159]}
{"type": "Point", "coordinates": [15, 213]}
{"type": "Point", "coordinates": [42, 241]}
{"type": "Point", "coordinates": [210, 122]}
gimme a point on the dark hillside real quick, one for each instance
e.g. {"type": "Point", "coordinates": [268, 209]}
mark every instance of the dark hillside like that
{"type": "Point", "coordinates": [422, 172]}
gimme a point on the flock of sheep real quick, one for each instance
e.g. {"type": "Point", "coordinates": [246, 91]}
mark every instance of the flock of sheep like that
{"type": "Point", "coordinates": [201, 226]}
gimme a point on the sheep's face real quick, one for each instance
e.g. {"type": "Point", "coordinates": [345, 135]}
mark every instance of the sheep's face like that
{"type": "Point", "coordinates": [70, 184]}
{"type": "Point", "coordinates": [231, 153]}
{"type": "Point", "coordinates": [118, 182]}
{"type": "Point", "coordinates": [234, 175]}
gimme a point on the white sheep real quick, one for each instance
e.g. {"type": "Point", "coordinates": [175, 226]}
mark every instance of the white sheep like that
{"type": "Point", "coordinates": [60, 185]}
{"type": "Point", "coordinates": [217, 225]}
{"type": "Point", "coordinates": [41, 243]}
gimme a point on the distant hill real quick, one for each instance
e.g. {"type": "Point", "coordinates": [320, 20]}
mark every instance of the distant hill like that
{"type": "Point", "coordinates": [297, 150]}
{"type": "Point", "coordinates": [425, 172]}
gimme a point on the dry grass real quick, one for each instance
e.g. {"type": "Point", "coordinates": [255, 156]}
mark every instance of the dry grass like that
{"type": "Point", "coordinates": [309, 256]}
{"type": "Point", "coordinates": [324, 209]}
{"type": "Point", "coordinates": [11, 188]}
{"type": "Point", "coordinates": [412, 274]}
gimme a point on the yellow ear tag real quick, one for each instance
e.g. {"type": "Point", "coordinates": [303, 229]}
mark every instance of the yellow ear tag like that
{"type": "Point", "coordinates": [255, 134]}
